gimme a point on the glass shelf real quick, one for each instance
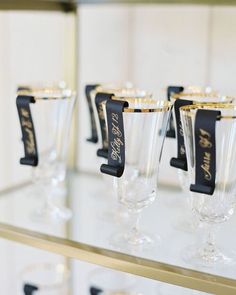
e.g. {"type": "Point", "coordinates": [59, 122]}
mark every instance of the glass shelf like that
{"type": "Point", "coordinates": [83, 239]}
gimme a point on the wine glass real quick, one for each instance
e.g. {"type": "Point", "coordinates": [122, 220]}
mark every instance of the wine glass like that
{"type": "Point", "coordinates": [190, 95]}
{"type": "Point", "coordinates": [45, 279]}
{"type": "Point", "coordinates": [140, 156]}
{"type": "Point", "coordinates": [99, 115]}
{"type": "Point", "coordinates": [45, 115]}
{"type": "Point", "coordinates": [211, 157]}
{"type": "Point", "coordinates": [97, 119]}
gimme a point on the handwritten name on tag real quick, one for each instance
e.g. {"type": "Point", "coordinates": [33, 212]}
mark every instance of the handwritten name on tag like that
{"type": "Point", "coordinates": [205, 142]}
{"type": "Point", "coordinates": [205, 151]}
{"type": "Point", "coordinates": [28, 127]}
{"type": "Point", "coordinates": [116, 135]}
{"type": "Point", "coordinates": [117, 142]}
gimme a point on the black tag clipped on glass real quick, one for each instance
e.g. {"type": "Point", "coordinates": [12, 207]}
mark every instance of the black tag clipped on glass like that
{"type": "Point", "coordinates": [205, 151]}
{"type": "Point", "coordinates": [116, 150]}
{"type": "Point", "coordinates": [181, 161]}
{"type": "Point", "coordinates": [27, 128]}
{"type": "Point", "coordinates": [24, 88]}
{"type": "Point", "coordinates": [30, 289]}
{"type": "Point", "coordinates": [99, 100]}
{"type": "Point", "coordinates": [170, 90]}
{"type": "Point", "coordinates": [94, 133]}
{"type": "Point", "coordinates": [95, 291]}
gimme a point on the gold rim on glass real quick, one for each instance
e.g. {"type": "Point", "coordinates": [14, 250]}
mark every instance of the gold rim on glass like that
{"type": "Point", "coordinates": [47, 93]}
{"type": "Point", "coordinates": [186, 95]}
{"type": "Point", "coordinates": [158, 105]}
{"type": "Point", "coordinates": [119, 90]}
{"type": "Point", "coordinates": [186, 109]}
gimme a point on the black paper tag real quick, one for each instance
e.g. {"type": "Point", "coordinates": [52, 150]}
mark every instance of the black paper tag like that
{"type": "Point", "coordinates": [205, 151]}
{"type": "Point", "coordinates": [181, 161]}
{"type": "Point", "coordinates": [24, 88]}
{"type": "Point", "coordinates": [27, 128]}
{"type": "Point", "coordinates": [95, 291]}
{"type": "Point", "coordinates": [30, 289]}
{"type": "Point", "coordinates": [116, 150]}
{"type": "Point", "coordinates": [170, 90]}
{"type": "Point", "coordinates": [94, 134]}
{"type": "Point", "coordinates": [99, 99]}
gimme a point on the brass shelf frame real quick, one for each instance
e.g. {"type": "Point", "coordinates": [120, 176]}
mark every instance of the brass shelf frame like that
{"type": "Point", "coordinates": [71, 5]}
{"type": "Point", "coordinates": [122, 262]}
{"type": "Point", "coordinates": [200, 2]}
{"type": "Point", "coordinates": [50, 5]}
{"type": "Point", "coordinates": [138, 266]}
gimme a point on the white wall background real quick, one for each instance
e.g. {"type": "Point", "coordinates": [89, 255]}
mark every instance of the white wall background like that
{"type": "Point", "coordinates": [32, 49]}
{"type": "Point", "coordinates": [151, 45]}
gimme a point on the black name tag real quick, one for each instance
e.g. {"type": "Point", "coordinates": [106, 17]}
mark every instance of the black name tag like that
{"type": "Point", "coordinates": [99, 100]}
{"type": "Point", "coordinates": [170, 90]}
{"type": "Point", "coordinates": [205, 151]}
{"type": "Point", "coordinates": [24, 88]}
{"type": "Point", "coordinates": [30, 289]}
{"type": "Point", "coordinates": [181, 161]}
{"type": "Point", "coordinates": [94, 134]}
{"type": "Point", "coordinates": [95, 291]}
{"type": "Point", "coordinates": [116, 150]}
{"type": "Point", "coordinates": [27, 128]}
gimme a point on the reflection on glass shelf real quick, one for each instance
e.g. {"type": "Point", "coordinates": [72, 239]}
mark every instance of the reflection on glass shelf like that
{"type": "Point", "coordinates": [88, 198]}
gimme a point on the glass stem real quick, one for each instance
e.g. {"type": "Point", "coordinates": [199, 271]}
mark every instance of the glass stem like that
{"type": "Point", "coordinates": [209, 249]}
{"type": "Point", "coordinates": [135, 216]}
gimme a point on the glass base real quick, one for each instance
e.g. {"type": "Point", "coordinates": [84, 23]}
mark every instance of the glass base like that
{"type": "Point", "coordinates": [208, 256]}
{"type": "Point", "coordinates": [51, 213]}
{"type": "Point", "coordinates": [139, 240]}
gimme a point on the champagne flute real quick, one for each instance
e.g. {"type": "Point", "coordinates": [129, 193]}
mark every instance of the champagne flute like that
{"type": "Point", "coordinates": [190, 95]}
{"type": "Point", "coordinates": [139, 152]}
{"type": "Point", "coordinates": [45, 115]}
{"type": "Point", "coordinates": [210, 135]}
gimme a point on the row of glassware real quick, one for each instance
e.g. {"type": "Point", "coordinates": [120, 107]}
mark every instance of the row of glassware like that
{"type": "Point", "coordinates": [55, 279]}
{"type": "Point", "coordinates": [130, 126]}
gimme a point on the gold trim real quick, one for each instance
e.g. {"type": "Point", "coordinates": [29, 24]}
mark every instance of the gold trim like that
{"type": "Point", "coordinates": [138, 266]}
{"type": "Point", "coordinates": [14, 187]}
{"type": "Point", "coordinates": [47, 95]}
{"type": "Point", "coordinates": [60, 5]}
{"type": "Point", "coordinates": [118, 89]}
{"type": "Point", "coordinates": [203, 2]}
{"type": "Point", "coordinates": [161, 105]}
{"type": "Point", "coordinates": [138, 99]}
{"type": "Point", "coordinates": [130, 110]}
{"type": "Point", "coordinates": [186, 109]}
{"type": "Point", "coordinates": [183, 95]}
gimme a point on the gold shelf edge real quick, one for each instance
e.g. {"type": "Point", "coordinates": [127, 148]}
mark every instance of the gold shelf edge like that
{"type": "Point", "coordinates": [40, 5]}
{"type": "Point", "coordinates": [122, 262]}
{"type": "Point", "coordinates": [170, 2]}
{"type": "Point", "coordinates": [14, 187]}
